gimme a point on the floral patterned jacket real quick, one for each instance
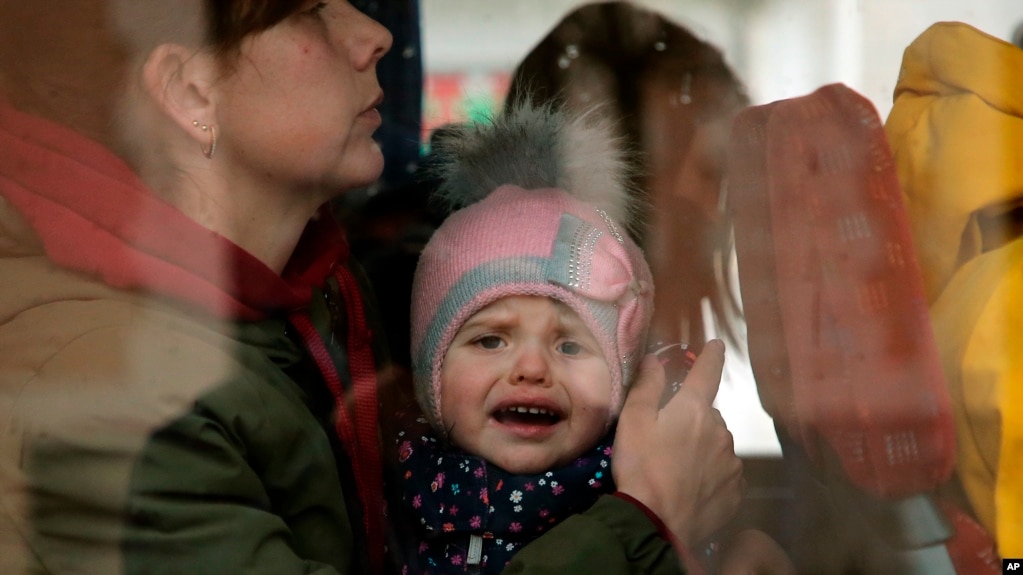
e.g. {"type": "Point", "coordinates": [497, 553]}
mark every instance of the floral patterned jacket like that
{"type": "Point", "coordinates": [465, 515]}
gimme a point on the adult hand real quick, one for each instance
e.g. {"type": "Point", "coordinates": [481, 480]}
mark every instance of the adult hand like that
{"type": "Point", "coordinates": [679, 460]}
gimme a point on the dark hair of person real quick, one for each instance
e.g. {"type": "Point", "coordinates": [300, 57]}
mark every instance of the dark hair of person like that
{"type": "Point", "coordinates": [604, 55]}
{"type": "Point", "coordinates": [69, 60]}
{"type": "Point", "coordinates": [223, 27]}
{"type": "Point", "coordinates": [613, 49]}
{"type": "Point", "coordinates": [230, 21]}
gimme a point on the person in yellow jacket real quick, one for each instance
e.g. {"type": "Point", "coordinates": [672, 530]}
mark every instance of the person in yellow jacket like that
{"type": "Point", "coordinates": [956, 131]}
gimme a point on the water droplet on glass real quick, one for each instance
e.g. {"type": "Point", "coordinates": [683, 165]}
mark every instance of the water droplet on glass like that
{"type": "Point", "coordinates": [572, 51]}
{"type": "Point", "coordinates": [660, 46]}
{"type": "Point", "coordinates": [687, 85]}
{"type": "Point", "coordinates": [408, 52]}
{"type": "Point", "coordinates": [564, 62]}
{"type": "Point", "coordinates": [411, 167]}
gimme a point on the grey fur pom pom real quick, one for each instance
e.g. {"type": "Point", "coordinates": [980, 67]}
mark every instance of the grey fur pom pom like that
{"type": "Point", "coordinates": [536, 147]}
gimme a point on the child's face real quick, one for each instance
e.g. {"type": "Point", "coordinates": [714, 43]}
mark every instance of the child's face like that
{"type": "Point", "coordinates": [525, 385]}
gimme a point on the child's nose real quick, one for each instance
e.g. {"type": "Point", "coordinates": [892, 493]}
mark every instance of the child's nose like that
{"type": "Point", "coordinates": [531, 366]}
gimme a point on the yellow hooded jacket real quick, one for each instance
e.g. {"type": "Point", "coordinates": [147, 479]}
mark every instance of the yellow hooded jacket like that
{"type": "Point", "coordinates": [956, 130]}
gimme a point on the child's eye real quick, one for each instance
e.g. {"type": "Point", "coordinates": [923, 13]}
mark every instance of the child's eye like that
{"type": "Point", "coordinates": [570, 348]}
{"type": "Point", "coordinates": [489, 342]}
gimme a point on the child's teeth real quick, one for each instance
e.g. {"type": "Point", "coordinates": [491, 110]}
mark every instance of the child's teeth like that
{"type": "Point", "coordinates": [532, 410]}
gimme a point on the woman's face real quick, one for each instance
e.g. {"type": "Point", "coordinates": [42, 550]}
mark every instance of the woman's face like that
{"type": "Point", "coordinates": [297, 108]}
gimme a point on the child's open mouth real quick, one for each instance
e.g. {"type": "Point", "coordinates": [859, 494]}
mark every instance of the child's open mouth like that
{"type": "Point", "coordinates": [526, 415]}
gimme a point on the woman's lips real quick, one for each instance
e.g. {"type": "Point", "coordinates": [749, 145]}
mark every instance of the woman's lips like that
{"type": "Point", "coordinates": [371, 112]}
{"type": "Point", "coordinates": [372, 115]}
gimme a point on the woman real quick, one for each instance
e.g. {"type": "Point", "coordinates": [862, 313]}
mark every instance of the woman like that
{"type": "Point", "coordinates": [188, 380]}
{"type": "Point", "coordinates": [673, 97]}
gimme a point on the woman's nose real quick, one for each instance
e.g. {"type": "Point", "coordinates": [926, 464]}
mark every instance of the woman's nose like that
{"type": "Point", "coordinates": [531, 367]}
{"type": "Point", "coordinates": [376, 40]}
{"type": "Point", "coordinates": [383, 43]}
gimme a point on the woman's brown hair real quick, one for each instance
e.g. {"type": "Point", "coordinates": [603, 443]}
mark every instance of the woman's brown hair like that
{"type": "Point", "coordinates": [672, 96]}
{"type": "Point", "coordinates": [68, 60]}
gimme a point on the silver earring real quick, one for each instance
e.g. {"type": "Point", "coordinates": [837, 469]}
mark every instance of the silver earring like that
{"type": "Point", "coordinates": [207, 151]}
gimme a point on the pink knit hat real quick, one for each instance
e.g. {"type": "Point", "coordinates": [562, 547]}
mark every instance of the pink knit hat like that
{"type": "Point", "coordinates": [533, 233]}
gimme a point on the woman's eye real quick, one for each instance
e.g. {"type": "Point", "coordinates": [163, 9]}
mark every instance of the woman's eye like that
{"type": "Point", "coordinates": [570, 348]}
{"type": "Point", "coordinates": [489, 342]}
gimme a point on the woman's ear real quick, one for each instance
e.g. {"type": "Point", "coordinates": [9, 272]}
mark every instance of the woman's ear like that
{"type": "Point", "coordinates": [178, 80]}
